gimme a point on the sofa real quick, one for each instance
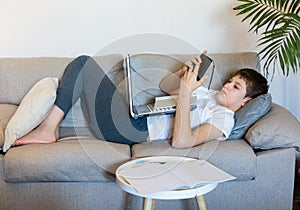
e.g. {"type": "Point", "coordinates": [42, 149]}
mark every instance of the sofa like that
{"type": "Point", "coordinates": [78, 171]}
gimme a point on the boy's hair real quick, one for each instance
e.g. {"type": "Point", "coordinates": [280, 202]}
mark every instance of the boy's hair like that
{"type": "Point", "coordinates": [256, 83]}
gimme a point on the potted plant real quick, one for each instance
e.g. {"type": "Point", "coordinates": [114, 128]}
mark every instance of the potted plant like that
{"type": "Point", "coordinates": [280, 39]}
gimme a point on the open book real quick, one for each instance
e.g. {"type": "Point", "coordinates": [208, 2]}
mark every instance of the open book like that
{"type": "Point", "coordinates": [152, 177]}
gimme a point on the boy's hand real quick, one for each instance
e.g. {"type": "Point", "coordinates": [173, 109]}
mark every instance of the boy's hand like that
{"type": "Point", "coordinates": [189, 78]}
{"type": "Point", "coordinates": [191, 64]}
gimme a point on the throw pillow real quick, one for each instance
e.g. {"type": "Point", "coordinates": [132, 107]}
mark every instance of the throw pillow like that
{"type": "Point", "coordinates": [249, 114]}
{"type": "Point", "coordinates": [32, 110]}
{"type": "Point", "coordinates": [279, 128]}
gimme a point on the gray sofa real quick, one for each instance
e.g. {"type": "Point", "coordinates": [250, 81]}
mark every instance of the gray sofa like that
{"type": "Point", "coordinates": [77, 172]}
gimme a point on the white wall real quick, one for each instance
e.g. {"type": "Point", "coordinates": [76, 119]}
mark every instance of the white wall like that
{"type": "Point", "coordinates": [74, 27]}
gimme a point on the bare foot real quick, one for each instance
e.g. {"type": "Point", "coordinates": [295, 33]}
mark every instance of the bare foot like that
{"type": "Point", "coordinates": [38, 136]}
{"type": "Point", "coordinates": [46, 132]}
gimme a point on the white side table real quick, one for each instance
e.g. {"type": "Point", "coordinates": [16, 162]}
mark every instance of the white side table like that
{"type": "Point", "coordinates": [149, 199]}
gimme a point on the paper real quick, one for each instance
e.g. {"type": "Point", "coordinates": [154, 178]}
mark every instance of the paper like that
{"type": "Point", "coordinates": [152, 177]}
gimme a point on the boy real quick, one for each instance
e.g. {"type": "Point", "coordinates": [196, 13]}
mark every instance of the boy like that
{"type": "Point", "coordinates": [214, 115]}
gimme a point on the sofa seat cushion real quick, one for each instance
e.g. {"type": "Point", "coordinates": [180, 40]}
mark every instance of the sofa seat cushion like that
{"type": "Point", "coordinates": [235, 157]}
{"type": "Point", "coordinates": [69, 160]}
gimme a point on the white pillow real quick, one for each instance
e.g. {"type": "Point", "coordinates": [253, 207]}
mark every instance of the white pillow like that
{"type": "Point", "coordinates": [32, 110]}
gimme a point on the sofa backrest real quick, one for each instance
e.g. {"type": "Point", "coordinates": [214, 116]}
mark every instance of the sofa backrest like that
{"type": "Point", "coordinates": [149, 69]}
{"type": "Point", "coordinates": [18, 75]}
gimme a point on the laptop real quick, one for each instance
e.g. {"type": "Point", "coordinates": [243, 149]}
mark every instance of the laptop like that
{"type": "Point", "coordinates": [162, 105]}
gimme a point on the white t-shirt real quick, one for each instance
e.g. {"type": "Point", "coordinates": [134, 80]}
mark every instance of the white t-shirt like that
{"type": "Point", "coordinates": [207, 111]}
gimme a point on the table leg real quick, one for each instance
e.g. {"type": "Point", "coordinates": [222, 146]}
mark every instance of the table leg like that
{"type": "Point", "coordinates": [149, 204]}
{"type": "Point", "coordinates": [201, 202]}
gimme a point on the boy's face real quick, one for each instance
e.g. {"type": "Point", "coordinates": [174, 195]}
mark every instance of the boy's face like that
{"type": "Point", "coordinates": [233, 93]}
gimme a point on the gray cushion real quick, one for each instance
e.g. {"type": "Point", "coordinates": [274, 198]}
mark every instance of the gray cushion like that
{"type": "Point", "coordinates": [113, 66]}
{"type": "Point", "coordinates": [153, 67]}
{"type": "Point", "coordinates": [68, 160]}
{"type": "Point", "coordinates": [227, 63]}
{"type": "Point", "coordinates": [18, 75]}
{"type": "Point", "coordinates": [75, 131]}
{"type": "Point", "coordinates": [249, 114]}
{"type": "Point", "coordinates": [150, 68]}
{"type": "Point", "coordinates": [279, 128]}
{"type": "Point", "coordinates": [239, 162]}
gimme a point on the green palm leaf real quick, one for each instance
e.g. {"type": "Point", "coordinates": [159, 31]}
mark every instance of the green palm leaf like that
{"type": "Point", "coordinates": [280, 22]}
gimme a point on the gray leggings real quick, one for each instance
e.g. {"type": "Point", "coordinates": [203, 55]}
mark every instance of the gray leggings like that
{"type": "Point", "coordinates": [103, 105]}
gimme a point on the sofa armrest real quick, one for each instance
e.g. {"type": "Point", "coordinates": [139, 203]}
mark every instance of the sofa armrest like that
{"type": "Point", "coordinates": [6, 112]}
{"type": "Point", "coordinates": [278, 129]}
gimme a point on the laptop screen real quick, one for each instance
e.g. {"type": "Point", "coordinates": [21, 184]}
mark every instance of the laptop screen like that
{"type": "Point", "coordinates": [129, 86]}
